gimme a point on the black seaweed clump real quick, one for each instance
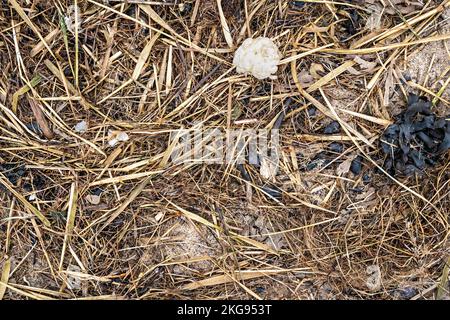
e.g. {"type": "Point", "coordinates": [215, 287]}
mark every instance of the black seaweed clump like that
{"type": "Point", "coordinates": [416, 140]}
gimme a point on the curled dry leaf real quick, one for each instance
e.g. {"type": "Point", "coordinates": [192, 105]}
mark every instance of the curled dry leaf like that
{"type": "Point", "coordinates": [402, 6]}
{"type": "Point", "coordinates": [93, 199]}
{"type": "Point", "coordinates": [395, 6]}
{"type": "Point", "coordinates": [305, 78]}
{"type": "Point", "coordinates": [41, 120]}
{"type": "Point", "coordinates": [344, 167]}
{"type": "Point", "coordinates": [366, 66]}
{"type": "Point", "coordinates": [315, 69]}
{"type": "Point", "coordinates": [374, 20]}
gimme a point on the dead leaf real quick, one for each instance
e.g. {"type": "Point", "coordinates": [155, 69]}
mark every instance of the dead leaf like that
{"type": "Point", "coordinates": [353, 71]}
{"type": "Point", "coordinates": [92, 199]}
{"type": "Point", "coordinates": [366, 65]}
{"type": "Point", "coordinates": [315, 69]}
{"type": "Point", "coordinates": [344, 167]}
{"type": "Point", "coordinates": [41, 120]}
{"type": "Point", "coordinates": [305, 78]}
{"type": "Point", "coordinates": [388, 86]}
{"type": "Point", "coordinates": [374, 20]}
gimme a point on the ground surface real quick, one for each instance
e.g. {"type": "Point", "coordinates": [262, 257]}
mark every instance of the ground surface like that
{"type": "Point", "coordinates": [81, 218]}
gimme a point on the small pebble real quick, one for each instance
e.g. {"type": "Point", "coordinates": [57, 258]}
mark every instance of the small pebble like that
{"type": "Point", "coordinates": [81, 127]}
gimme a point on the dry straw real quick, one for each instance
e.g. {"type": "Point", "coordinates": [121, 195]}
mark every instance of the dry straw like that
{"type": "Point", "coordinates": [161, 230]}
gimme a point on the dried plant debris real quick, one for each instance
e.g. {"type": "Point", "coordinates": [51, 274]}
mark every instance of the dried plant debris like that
{"type": "Point", "coordinates": [373, 281]}
{"type": "Point", "coordinates": [395, 6]}
{"type": "Point", "coordinates": [416, 140]}
{"type": "Point", "coordinates": [90, 96]}
{"type": "Point", "coordinates": [297, 4]}
{"type": "Point", "coordinates": [271, 191]}
{"type": "Point", "coordinates": [13, 172]}
{"type": "Point", "coordinates": [332, 128]}
{"type": "Point", "coordinates": [352, 25]}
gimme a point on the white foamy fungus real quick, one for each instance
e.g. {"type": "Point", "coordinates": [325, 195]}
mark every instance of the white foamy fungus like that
{"type": "Point", "coordinates": [259, 57]}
